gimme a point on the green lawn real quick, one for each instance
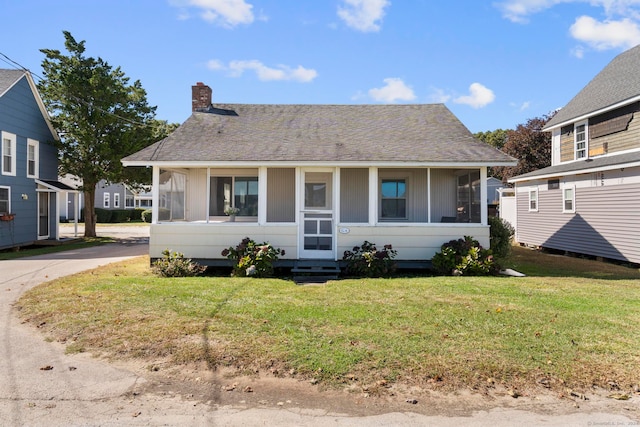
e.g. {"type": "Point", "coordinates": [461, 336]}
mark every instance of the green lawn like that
{"type": "Point", "coordinates": [572, 322]}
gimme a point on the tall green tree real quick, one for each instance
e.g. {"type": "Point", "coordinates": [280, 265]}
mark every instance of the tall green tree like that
{"type": "Point", "coordinates": [99, 115]}
{"type": "Point", "coordinates": [496, 138]}
{"type": "Point", "coordinates": [529, 145]}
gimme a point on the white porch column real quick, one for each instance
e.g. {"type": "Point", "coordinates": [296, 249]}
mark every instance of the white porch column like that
{"type": "Point", "coordinates": [484, 220]}
{"type": "Point", "coordinates": [155, 194]}
{"type": "Point", "coordinates": [373, 195]}
{"type": "Point", "coordinates": [336, 196]}
{"type": "Point", "coordinates": [262, 195]}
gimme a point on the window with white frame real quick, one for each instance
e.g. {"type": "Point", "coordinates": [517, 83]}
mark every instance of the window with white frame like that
{"type": "Point", "coordinates": [533, 200]}
{"type": "Point", "coordinates": [8, 154]}
{"type": "Point", "coordinates": [580, 139]}
{"type": "Point", "coordinates": [32, 158]}
{"type": "Point", "coordinates": [393, 198]}
{"type": "Point", "coordinates": [5, 200]}
{"type": "Point", "coordinates": [569, 199]}
{"type": "Point", "coordinates": [116, 200]}
{"type": "Point", "coordinates": [106, 200]}
{"type": "Point", "coordinates": [240, 192]}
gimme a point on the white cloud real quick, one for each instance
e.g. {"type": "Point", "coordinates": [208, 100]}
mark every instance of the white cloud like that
{"type": "Point", "coordinates": [439, 96]}
{"type": "Point", "coordinates": [607, 34]}
{"type": "Point", "coordinates": [518, 10]}
{"type": "Point", "coordinates": [363, 15]}
{"type": "Point", "coordinates": [227, 13]}
{"type": "Point", "coordinates": [479, 96]}
{"type": "Point", "coordinates": [394, 90]}
{"type": "Point", "coordinates": [281, 72]}
{"type": "Point", "coordinates": [521, 107]}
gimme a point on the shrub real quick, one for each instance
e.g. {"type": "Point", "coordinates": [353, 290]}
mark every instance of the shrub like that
{"type": "Point", "coordinates": [120, 215]}
{"type": "Point", "coordinates": [464, 257]}
{"type": "Point", "coordinates": [174, 264]}
{"type": "Point", "coordinates": [146, 215]}
{"type": "Point", "coordinates": [368, 261]}
{"type": "Point", "coordinates": [501, 234]}
{"type": "Point", "coordinates": [252, 259]}
{"type": "Point", "coordinates": [103, 216]}
{"type": "Point", "coordinates": [136, 214]}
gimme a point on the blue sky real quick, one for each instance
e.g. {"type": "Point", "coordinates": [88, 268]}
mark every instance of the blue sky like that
{"type": "Point", "coordinates": [494, 64]}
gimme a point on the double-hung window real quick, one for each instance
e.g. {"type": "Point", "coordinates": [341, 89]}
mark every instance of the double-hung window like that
{"type": "Point", "coordinates": [393, 202]}
{"type": "Point", "coordinates": [32, 158]}
{"type": "Point", "coordinates": [240, 192]}
{"type": "Point", "coordinates": [580, 139]}
{"type": "Point", "coordinates": [106, 201]}
{"type": "Point", "coordinates": [569, 199]}
{"type": "Point", "coordinates": [5, 200]}
{"type": "Point", "coordinates": [533, 200]}
{"type": "Point", "coordinates": [8, 154]}
{"type": "Point", "coordinates": [116, 200]}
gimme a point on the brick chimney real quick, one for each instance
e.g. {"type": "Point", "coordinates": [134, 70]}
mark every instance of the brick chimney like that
{"type": "Point", "coordinates": [200, 97]}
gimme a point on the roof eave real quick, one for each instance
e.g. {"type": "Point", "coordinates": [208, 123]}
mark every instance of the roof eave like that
{"type": "Point", "coordinates": [592, 114]}
{"type": "Point", "coordinates": [293, 163]}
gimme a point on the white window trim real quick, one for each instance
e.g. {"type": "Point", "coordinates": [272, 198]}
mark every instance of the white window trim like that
{"type": "Point", "coordinates": [385, 176]}
{"type": "Point", "coordinates": [11, 137]}
{"type": "Point", "coordinates": [586, 140]}
{"type": "Point", "coordinates": [537, 198]}
{"type": "Point", "coordinates": [573, 199]}
{"type": "Point", "coordinates": [106, 200]}
{"type": "Point", "coordinates": [116, 200]}
{"type": "Point", "coordinates": [36, 151]}
{"type": "Point", "coordinates": [9, 200]}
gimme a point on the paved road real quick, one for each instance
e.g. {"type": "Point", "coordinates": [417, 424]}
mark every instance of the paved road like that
{"type": "Point", "coordinates": [81, 391]}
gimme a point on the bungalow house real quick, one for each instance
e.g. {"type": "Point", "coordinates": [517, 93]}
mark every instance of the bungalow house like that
{"type": "Point", "coordinates": [29, 187]}
{"type": "Point", "coordinates": [588, 200]}
{"type": "Point", "coordinates": [316, 180]}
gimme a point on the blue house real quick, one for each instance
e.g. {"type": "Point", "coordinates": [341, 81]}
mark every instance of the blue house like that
{"type": "Point", "coordinates": [29, 187]}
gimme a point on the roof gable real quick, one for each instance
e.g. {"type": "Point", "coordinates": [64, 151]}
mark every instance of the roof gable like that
{"type": "Point", "coordinates": [616, 84]}
{"type": "Point", "coordinates": [321, 133]}
{"type": "Point", "coordinates": [10, 78]}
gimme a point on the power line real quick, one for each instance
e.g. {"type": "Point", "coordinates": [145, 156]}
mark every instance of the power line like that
{"type": "Point", "coordinates": [75, 98]}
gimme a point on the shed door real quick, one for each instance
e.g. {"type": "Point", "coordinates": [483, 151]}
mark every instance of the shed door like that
{"type": "Point", "coordinates": [316, 231]}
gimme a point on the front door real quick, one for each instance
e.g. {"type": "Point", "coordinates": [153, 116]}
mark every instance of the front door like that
{"type": "Point", "coordinates": [316, 217]}
{"type": "Point", "coordinates": [43, 215]}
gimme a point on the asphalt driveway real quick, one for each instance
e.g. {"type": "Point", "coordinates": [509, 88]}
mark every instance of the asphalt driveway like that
{"type": "Point", "coordinates": [42, 386]}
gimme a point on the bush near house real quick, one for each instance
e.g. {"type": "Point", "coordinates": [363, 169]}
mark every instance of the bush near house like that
{"type": "Point", "coordinates": [252, 259]}
{"type": "Point", "coordinates": [174, 264]}
{"type": "Point", "coordinates": [464, 257]}
{"type": "Point", "coordinates": [500, 236]}
{"type": "Point", "coordinates": [369, 261]}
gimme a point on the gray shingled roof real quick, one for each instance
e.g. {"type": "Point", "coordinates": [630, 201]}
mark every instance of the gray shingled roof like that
{"type": "Point", "coordinates": [617, 82]}
{"type": "Point", "coordinates": [324, 133]}
{"type": "Point", "coordinates": [582, 166]}
{"type": "Point", "coordinates": [8, 78]}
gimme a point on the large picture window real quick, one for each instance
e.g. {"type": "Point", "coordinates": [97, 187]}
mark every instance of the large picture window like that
{"type": "Point", "coordinates": [240, 192]}
{"type": "Point", "coordinates": [393, 203]}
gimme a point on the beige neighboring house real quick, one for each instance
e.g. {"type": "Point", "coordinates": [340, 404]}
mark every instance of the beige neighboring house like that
{"type": "Point", "coordinates": [317, 180]}
{"type": "Point", "coordinates": [588, 200]}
